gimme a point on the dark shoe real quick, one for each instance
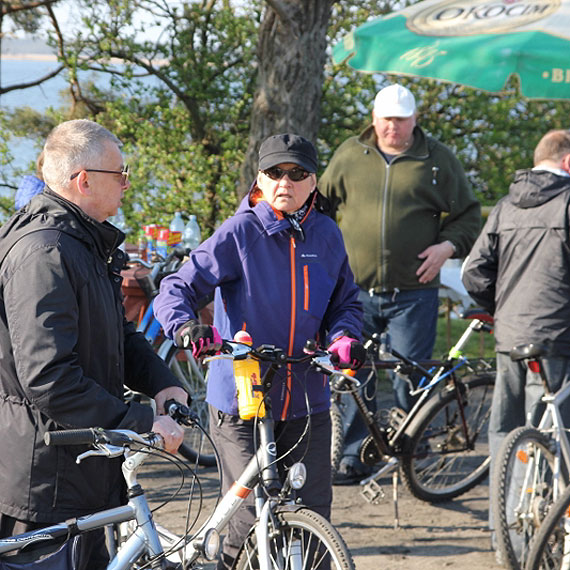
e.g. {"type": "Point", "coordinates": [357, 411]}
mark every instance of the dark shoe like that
{"type": "Point", "coordinates": [348, 475]}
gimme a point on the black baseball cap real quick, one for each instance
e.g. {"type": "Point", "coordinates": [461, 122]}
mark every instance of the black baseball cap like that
{"type": "Point", "coordinates": [287, 148]}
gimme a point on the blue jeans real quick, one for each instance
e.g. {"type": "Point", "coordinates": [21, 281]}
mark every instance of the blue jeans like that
{"type": "Point", "coordinates": [410, 317]}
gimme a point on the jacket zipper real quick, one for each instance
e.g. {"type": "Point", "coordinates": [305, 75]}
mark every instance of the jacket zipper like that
{"type": "Point", "coordinates": [285, 409]}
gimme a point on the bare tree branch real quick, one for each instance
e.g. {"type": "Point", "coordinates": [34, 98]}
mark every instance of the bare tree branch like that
{"type": "Point", "coordinates": [7, 8]}
{"type": "Point", "coordinates": [31, 83]}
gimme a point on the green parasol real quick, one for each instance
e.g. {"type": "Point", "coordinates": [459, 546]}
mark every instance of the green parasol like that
{"type": "Point", "coordinates": [470, 42]}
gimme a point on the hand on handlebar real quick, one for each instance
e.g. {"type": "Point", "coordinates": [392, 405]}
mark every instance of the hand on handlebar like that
{"type": "Point", "coordinates": [171, 432]}
{"type": "Point", "coordinates": [347, 352]}
{"type": "Point", "coordinates": [201, 339]}
{"type": "Point", "coordinates": [171, 393]}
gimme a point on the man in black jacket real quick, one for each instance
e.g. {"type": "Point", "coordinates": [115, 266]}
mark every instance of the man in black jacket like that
{"type": "Point", "coordinates": [519, 270]}
{"type": "Point", "coordinates": [66, 350]}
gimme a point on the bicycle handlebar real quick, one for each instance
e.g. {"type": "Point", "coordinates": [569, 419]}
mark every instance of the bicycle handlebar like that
{"type": "Point", "coordinates": [94, 436]}
{"type": "Point", "coordinates": [319, 358]}
{"type": "Point", "coordinates": [117, 437]}
{"type": "Point", "coordinates": [177, 253]}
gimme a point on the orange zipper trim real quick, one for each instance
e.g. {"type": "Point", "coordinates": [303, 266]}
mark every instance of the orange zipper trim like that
{"type": "Point", "coordinates": [306, 284]}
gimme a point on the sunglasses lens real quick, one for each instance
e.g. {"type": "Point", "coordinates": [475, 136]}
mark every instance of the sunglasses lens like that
{"type": "Point", "coordinates": [295, 174]}
{"type": "Point", "coordinates": [275, 173]}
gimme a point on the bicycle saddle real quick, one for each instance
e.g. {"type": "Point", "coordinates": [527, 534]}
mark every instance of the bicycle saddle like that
{"type": "Point", "coordinates": [524, 351]}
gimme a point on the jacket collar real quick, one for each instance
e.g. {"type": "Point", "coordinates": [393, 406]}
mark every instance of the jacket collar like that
{"type": "Point", "coordinates": [272, 220]}
{"type": "Point", "coordinates": [419, 148]}
{"type": "Point", "coordinates": [49, 210]}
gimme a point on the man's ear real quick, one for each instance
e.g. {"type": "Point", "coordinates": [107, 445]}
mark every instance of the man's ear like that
{"type": "Point", "coordinates": [566, 163]}
{"type": "Point", "coordinates": [82, 184]}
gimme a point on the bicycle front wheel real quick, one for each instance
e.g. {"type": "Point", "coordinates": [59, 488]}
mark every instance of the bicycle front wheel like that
{"type": "Point", "coordinates": [196, 446]}
{"type": "Point", "coordinates": [446, 448]}
{"type": "Point", "coordinates": [521, 492]}
{"type": "Point", "coordinates": [550, 548]}
{"type": "Point", "coordinates": [301, 539]}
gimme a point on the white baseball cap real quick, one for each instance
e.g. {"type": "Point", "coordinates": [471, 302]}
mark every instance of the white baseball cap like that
{"type": "Point", "coordinates": [394, 101]}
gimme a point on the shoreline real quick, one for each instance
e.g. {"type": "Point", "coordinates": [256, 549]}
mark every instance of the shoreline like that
{"type": "Point", "coordinates": [30, 56]}
{"type": "Point", "coordinates": [52, 58]}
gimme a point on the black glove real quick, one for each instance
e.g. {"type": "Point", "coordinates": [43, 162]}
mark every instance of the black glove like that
{"type": "Point", "coordinates": [201, 339]}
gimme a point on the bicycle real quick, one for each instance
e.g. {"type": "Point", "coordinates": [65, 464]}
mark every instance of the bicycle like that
{"type": "Point", "coordinates": [550, 547]}
{"type": "Point", "coordinates": [286, 535]}
{"type": "Point", "coordinates": [143, 546]}
{"type": "Point", "coordinates": [181, 362]}
{"type": "Point", "coordinates": [531, 470]}
{"type": "Point", "coordinates": [441, 445]}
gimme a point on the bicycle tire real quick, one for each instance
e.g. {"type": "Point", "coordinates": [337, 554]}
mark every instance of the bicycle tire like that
{"type": "Point", "coordinates": [196, 447]}
{"type": "Point", "coordinates": [437, 465]}
{"type": "Point", "coordinates": [550, 547]}
{"type": "Point", "coordinates": [337, 436]}
{"type": "Point", "coordinates": [519, 504]}
{"type": "Point", "coordinates": [322, 546]}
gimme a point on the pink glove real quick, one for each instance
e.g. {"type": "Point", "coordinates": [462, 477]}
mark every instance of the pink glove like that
{"type": "Point", "coordinates": [348, 352]}
{"type": "Point", "coordinates": [201, 339]}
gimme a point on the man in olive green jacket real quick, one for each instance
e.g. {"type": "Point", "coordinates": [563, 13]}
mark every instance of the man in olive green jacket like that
{"type": "Point", "coordinates": [404, 207]}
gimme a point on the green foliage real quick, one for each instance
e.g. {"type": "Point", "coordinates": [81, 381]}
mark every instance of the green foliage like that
{"type": "Point", "coordinates": [180, 106]}
{"type": "Point", "coordinates": [181, 103]}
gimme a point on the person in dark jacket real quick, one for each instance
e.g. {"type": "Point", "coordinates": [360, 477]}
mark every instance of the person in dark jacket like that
{"type": "Point", "coordinates": [519, 271]}
{"type": "Point", "coordinates": [66, 350]}
{"type": "Point", "coordinates": [404, 206]}
{"type": "Point", "coordinates": [280, 272]}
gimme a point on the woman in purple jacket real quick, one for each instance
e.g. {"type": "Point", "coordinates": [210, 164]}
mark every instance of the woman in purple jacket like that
{"type": "Point", "coordinates": [279, 270]}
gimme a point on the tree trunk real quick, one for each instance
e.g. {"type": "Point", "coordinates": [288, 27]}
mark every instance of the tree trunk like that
{"type": "Point", "coordinates": [291, 58]}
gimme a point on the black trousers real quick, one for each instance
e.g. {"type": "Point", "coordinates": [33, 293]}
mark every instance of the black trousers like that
{"type": "Point", "coordinates": [92, 550]}
{"type": "Point", "coordinates": [234, 439]}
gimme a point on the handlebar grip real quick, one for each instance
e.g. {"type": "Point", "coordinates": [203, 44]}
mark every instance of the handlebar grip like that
{"type": "Point", "coordinates": [179, 253]}
{"type": "Point", "coordinates": [71, 437]}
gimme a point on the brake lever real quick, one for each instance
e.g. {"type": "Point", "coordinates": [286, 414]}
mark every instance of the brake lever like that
{"type": "Point", "coordinates": [103, 450]}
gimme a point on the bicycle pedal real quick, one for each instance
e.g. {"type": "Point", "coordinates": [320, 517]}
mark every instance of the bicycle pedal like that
{"type": "Point", "coordinates": [372, 492]}
{"type": "Point", "coordinates": [397, 416]}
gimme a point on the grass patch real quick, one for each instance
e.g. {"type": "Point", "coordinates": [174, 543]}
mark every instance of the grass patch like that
{"type": "Point", "coordinates": [480, 344]}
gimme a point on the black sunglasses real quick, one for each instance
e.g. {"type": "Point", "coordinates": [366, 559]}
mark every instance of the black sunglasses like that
{"type": "Point", "coordinates": [124, 173]}
{"type": "Point", "coordinates": [295, 174]}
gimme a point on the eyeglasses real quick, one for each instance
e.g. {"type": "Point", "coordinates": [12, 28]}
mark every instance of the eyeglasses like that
{"type": "Point", "coordinates": [124, 173]}
{"type": "Point", "coordinates": [295, 174]}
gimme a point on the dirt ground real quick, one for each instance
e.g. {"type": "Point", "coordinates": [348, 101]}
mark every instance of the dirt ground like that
{"type": "Point", "coordinates": [451, 534]}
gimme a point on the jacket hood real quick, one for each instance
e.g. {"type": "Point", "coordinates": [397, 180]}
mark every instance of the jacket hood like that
{"type": "Point", "coordinates": [50, 210]}
{"type": "Point", "coordinates": [532, 188]}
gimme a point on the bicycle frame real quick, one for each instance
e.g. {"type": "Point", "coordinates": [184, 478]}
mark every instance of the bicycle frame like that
{"type": "Point", "coordinates": [260, 474]}
{"type": "Point", "coordinates": [144, 539]}
{"type": "Point", "coordinates": [445, 372]}
{"type": "Point", "coordinates": [551, 421]}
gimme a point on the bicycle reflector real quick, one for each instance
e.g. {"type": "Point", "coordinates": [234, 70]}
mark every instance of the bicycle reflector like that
{"type": "Point", "coordinates": [534, 366]}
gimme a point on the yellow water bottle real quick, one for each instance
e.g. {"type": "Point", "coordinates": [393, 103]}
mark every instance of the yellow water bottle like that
{"type": "Point", "coordinates": [248, 376]}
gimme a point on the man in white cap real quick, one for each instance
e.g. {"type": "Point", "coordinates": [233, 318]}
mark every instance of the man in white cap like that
{"type": "Point", "coordinates": [404, 207]}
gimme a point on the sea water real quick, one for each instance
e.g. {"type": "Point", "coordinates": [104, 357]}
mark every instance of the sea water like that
{"type": "Point", "coordinates": [51, 93]}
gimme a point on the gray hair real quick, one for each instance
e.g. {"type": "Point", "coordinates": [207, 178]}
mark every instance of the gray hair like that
{"type": "Point", "coordinates": [71, 147]}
